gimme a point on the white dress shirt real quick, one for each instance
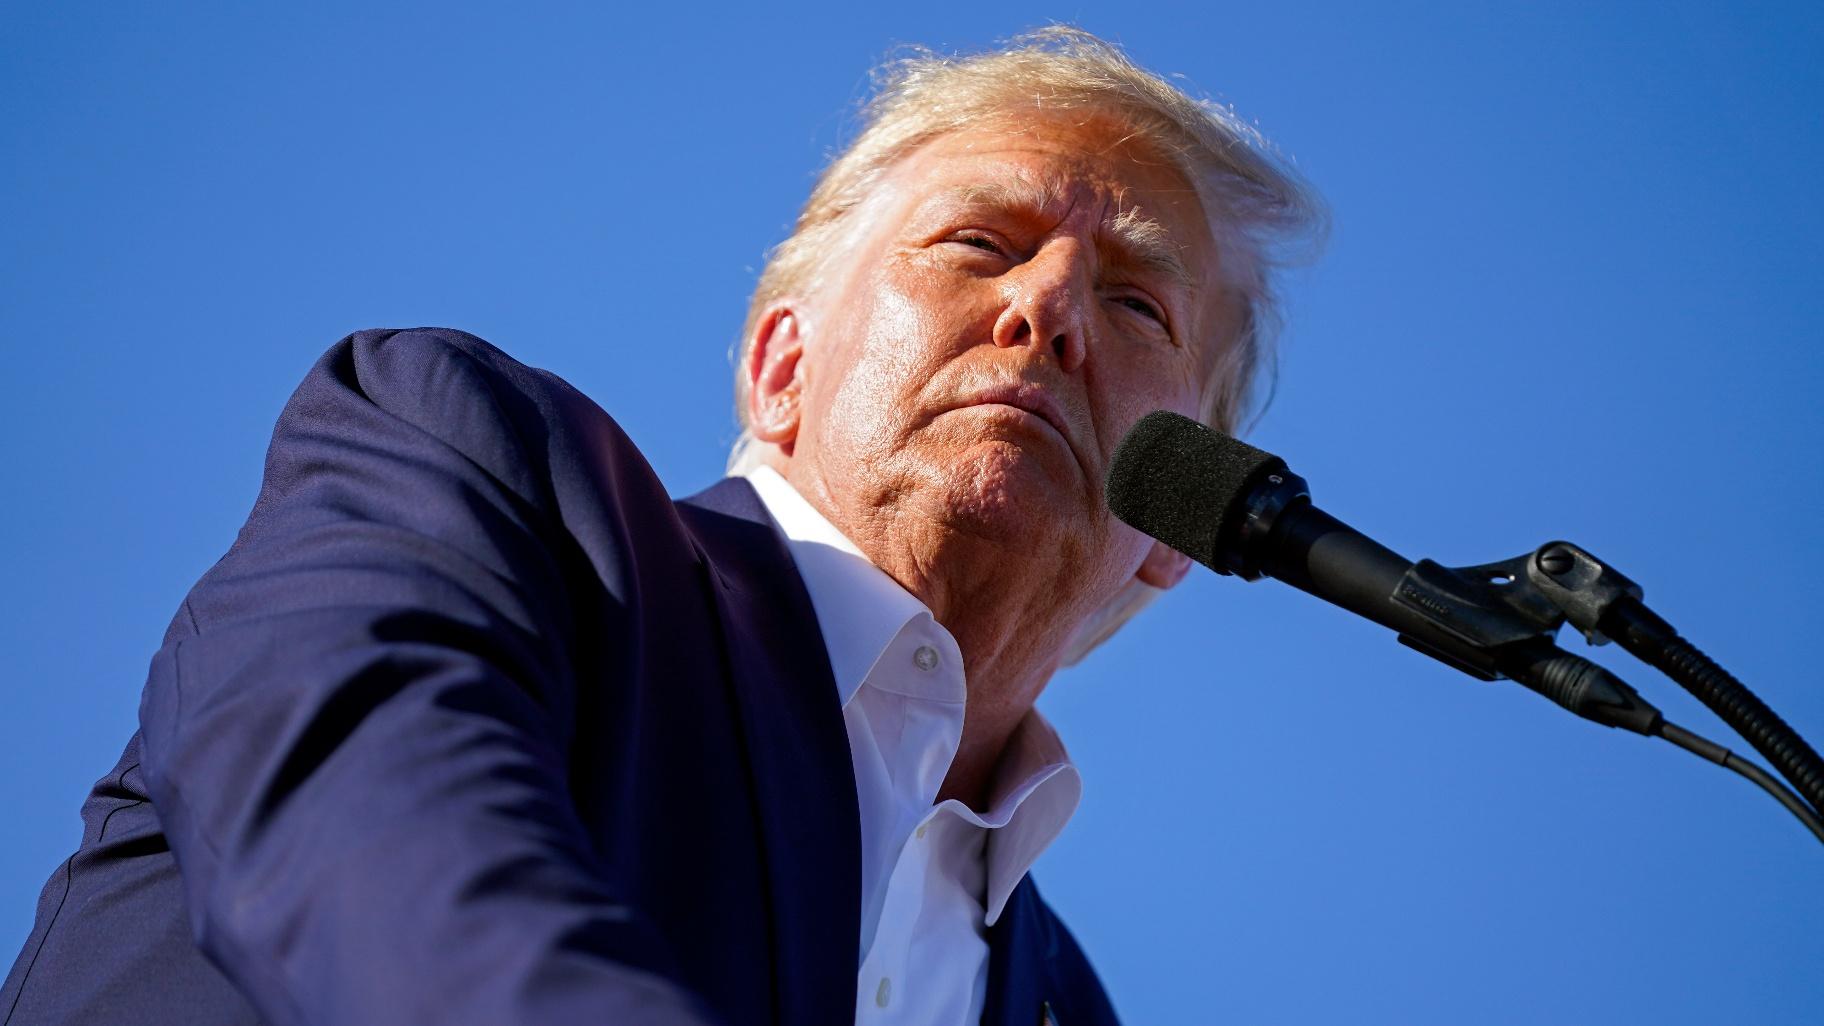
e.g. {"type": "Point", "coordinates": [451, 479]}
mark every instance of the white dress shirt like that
{"type": "Point", "coordinates": [934, 875]}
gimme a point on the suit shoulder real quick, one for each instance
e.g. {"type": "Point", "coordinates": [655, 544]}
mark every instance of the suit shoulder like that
{"type": "Point", "coordinates": [409, 369]}
{"type": "Point", "coordinates": [519, 423]}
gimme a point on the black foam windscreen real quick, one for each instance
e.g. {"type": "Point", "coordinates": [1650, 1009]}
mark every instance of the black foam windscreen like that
{"type": "Point", "coordinates": [1182, 482]}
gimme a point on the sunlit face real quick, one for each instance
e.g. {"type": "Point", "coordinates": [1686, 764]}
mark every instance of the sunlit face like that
{"type": "Point", "coordinates": [1013, 301]}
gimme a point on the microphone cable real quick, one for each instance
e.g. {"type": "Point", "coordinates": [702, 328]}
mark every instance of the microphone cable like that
{"type": "Point", "coordinates": [1653, 641]}
{"type": "Point", "coordinates": [1709, 750]}
{"type": "Point", "coordinates": [1587, 689]}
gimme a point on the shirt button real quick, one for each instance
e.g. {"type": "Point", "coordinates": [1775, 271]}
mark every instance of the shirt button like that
{"type": "Point", "coordinates": [925, 658]}
{"type": "Point", "coordinates": [883, 993]}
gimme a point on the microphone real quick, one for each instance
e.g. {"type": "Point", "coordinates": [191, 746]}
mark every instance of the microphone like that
{"type": "Point", "coordinates": [1241, 511]}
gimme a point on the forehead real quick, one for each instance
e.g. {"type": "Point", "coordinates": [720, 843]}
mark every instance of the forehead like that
{"type": "Point", "coordinates": [1050, 165]}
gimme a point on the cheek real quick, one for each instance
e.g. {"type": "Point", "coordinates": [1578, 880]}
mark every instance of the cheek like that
{"type": "Point", "coordinates": [894, 342]}
{"type": "Point", "coordinates": [918, 320]}
{"type": "Point", "coordinates": [883, 355]}
{"type": "Point", "coordinates": [1154, 378]}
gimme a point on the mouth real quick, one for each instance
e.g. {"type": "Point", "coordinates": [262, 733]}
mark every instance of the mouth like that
{"type": "Point", "coordinates": [1030, 399]}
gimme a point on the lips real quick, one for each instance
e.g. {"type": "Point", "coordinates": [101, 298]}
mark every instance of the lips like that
{"type": "Point", "coordinates": [1031, 398]}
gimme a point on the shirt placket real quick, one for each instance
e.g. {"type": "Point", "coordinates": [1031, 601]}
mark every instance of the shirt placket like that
{"type": "Point", "coordinates": [882, 996]}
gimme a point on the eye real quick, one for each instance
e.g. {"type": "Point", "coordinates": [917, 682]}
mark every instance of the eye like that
{"type": "Point", "coordinates": [978, 240]}
{"type": "Point", "coordinates": [1142, 307]}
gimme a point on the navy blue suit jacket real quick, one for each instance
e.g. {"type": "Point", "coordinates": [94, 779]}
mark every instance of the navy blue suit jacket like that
{"type": "Point", "coordinates": [474, 724]}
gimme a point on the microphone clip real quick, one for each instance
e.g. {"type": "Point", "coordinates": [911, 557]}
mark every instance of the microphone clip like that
{"type": "Point", "coordinates": [1475, 610]}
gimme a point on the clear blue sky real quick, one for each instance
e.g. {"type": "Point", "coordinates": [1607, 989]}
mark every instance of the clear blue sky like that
{"type": "Point", "coordinates": [1574, 290]}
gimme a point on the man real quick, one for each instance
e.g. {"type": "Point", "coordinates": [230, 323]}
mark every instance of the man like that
{"type": "Point", "coordinates": [474, 724]}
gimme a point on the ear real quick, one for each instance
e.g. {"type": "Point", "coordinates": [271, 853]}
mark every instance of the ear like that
{"type": "Point", "coordinates": [775, 375]}
{"type": "Point", "coordinates": [1164, 566]}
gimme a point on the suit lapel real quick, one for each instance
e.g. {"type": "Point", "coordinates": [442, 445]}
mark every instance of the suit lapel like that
{"type": "Point", "coordinates": [803, 779]}
{"type": "Point", "coordinates": [1019, 944]}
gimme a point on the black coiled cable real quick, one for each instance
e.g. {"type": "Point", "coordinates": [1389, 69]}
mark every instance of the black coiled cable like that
{"type": "Point", "coordinates": [1653, 641]}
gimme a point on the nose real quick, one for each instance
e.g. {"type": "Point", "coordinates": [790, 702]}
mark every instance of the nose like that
{"type": "Point", "coordinates": [1047, 299]}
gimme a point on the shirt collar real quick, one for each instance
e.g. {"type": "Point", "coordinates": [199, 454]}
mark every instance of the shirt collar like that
{"type": "Point", "coordinates": [1036, 790]}
{"type": "Point", "coordinates": [859, 608]}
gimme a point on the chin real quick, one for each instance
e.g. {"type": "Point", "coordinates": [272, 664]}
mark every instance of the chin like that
{"type": "Point", "coordinates": [999, 489]}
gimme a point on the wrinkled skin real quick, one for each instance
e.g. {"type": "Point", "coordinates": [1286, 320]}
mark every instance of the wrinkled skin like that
{"type": "Point", "coordinates": [1006, 307]}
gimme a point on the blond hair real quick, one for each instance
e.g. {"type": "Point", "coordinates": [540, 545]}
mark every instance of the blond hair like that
{"type": "Point", "coordinates": [1259, 208]}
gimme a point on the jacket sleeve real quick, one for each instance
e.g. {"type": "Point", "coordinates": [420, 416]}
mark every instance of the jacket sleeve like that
{"type": "Point", "coordinates": [356, 734]}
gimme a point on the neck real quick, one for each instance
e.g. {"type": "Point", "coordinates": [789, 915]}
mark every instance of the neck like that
{"type": "Point", "coordinates": [1010, 607]}
{"type": "Point", "coordinates": [1007, 659]}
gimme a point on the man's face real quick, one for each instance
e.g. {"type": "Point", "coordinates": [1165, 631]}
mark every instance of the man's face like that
{"type": "Point", "coordinates": [1012, 302]}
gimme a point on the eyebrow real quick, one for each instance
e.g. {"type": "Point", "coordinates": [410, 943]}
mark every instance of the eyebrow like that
{"type": "Point", "coordinates": [1137, 240]}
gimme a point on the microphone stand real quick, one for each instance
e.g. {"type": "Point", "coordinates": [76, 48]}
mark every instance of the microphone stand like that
{"type": "Point", "coordinates": [1243, 512]}
{"type": "Point", "coordinates": [1499, 620]}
